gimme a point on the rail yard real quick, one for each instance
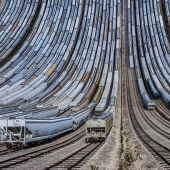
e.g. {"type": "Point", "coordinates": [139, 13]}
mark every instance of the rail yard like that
{"type": "Point", "coordinates": [85, 84]}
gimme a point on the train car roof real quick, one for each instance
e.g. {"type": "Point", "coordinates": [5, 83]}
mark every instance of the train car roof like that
{"type": "Point", "coordinates": [103, 116]}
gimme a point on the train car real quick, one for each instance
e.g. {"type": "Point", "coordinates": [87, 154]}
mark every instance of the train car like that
{"type": "Point", "coordinates": [153, 89]}
{"type": "Point", "coordinates": [97, 128]}
{"type": "Point", "coordinates": [40, 113]}
{"type": "Point", "coordinates": [148, 102]}
{"type": "Point", "coordinates": [21, 131]}
{"type": "Point", "coordinates": [80, 117]}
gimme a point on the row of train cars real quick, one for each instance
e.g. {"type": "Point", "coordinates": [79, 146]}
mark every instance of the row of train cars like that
{"type": "Point", "coordinates": [28, 129]}
{"type": "Point", "coordinates": [69, 64]}
{"type": "Point", "coordinates": [149, 50]}
{"type": "Point", "coordinates": [24, 128]}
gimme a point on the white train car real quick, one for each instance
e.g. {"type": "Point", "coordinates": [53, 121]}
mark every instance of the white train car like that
{"type": "Point", "coordinates": [21, 131]}
{"type": "Point", "coordinates": [97, 128]}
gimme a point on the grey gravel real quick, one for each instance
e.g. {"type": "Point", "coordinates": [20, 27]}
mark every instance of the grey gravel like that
{"type": "Point", "coordinates": [50, 159]}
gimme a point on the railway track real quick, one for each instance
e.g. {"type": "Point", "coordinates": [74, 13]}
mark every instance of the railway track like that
{"type": "Point", "coordinates": [160, 153]}
{"type": "Point", "coordinates": [6, 151]}
{"type": "Point", "coordinates": [76, 159]}
{"type": "Point", "coordinates": [37, 152]}
{"type": "Point", "coordinates": [152, 118]}
{"type": "Point", "coordinates": [162, 109]}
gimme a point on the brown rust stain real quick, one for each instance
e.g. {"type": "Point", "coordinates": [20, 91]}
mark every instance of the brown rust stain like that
{"type": "Point", "coordinates": [51, 70]}
{"type": "Point", "coordinates": [15, 26]}
{"type": "Point", "coordinates": [1, 2]}
{"type": "Point", "coordinates": [91, 92]}
{"type": "Point", "coordinates": [98, 94]}
{"type": "Point", "coordinates": [95, 21]}
{"type": "Point", "coordinates": [85, 77]}
{"type": "Point", "coordinates": [50, 95]}
{"type": "Point", "coordinates": [29, 80]}
{"type": "Point", "coordinates": [5, 72]}
{"type": "Point", "coordinates": [106, 30]}
{"type": "Point", "coordinates": [82, 105]}
{"type": "Point", "coordinates": [97, 79]}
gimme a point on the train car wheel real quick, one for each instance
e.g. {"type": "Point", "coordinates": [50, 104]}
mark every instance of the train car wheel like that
{"type": "Point", "coordinates": [8, 145]}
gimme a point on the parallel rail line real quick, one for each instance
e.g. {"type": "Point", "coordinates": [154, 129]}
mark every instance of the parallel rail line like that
{"type": "Point", "coordinates": [40, 152]}
{"type": "Point", "coordinates": [160, 153]}
{"type": "Point", "coordinates": [76, 159]}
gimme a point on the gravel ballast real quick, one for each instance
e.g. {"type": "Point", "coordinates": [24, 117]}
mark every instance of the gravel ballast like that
{"type": "Point", "coordinates": [51, 158]}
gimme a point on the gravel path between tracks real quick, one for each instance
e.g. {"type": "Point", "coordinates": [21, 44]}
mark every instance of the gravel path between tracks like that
{"type": "Point", "coordinates": [135, 156]}
{"type": "Point", "coordinates": [51, 158]}
{"type": "Point", "coordinates": [108, 156]}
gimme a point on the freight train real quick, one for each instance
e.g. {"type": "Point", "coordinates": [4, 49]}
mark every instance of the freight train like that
{"type": "Point", "coordinates": [22, 131]}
